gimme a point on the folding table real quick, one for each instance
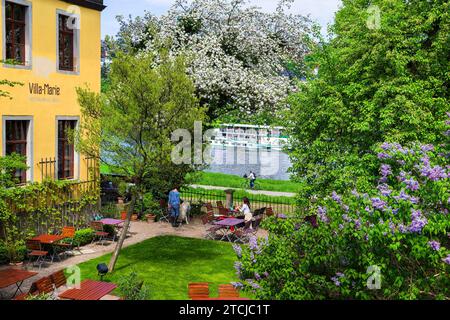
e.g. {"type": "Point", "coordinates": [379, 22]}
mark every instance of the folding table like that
{"type": "Point", "coordinates": [8, 277]}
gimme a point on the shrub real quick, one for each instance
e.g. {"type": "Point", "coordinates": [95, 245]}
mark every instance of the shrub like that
{"type": "Point", "coordinates": [389, 243]}
{"type": "Point", "coordinates": [14, 252]}
{"type": "Point", "coordinates": [110, 211]}
{"type": "Point", "coordinates": [84, 236]}
{"type": "Point", "coordinates": [131, 288]}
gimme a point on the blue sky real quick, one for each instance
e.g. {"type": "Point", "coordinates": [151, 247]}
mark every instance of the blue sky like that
{"type": "Point", "coordinates": [320, 10]}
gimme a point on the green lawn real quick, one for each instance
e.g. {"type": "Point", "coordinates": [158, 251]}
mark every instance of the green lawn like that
{"type": "Point", "coordinates": [168, 263]}
{"type": "Point", "coordinates": [232, 181]}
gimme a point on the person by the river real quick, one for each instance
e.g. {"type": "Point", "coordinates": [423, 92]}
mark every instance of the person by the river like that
{"type": "Point", "coordinates": [252, 178]}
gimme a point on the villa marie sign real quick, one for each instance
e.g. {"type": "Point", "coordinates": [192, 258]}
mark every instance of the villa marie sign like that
{"type": "Point", "coordinates": [44, 89]}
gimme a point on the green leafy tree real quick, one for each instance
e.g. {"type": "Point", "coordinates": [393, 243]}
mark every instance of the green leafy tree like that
{"type": "Point", "coordinates": [130, 127]}
{"type": "Point", "coordinates": [383, 76]}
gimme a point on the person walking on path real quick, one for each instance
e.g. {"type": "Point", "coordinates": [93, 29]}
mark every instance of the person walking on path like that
{"type": "Point", "coordinates": [174, 205]}
{"type": "Point", "coordinates": [252, 178]}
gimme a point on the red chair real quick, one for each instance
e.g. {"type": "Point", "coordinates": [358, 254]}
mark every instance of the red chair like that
{"type": "Point", "coordinates": [100, 234]}
{"type": "Point", "coordinates": [59, 279]}
{"type": "Point", "coordinates": [34, 250]}
{"type": "Point", "coordinates": [198, 290]}
{"type": "Point", "coordinates": [228, 291]}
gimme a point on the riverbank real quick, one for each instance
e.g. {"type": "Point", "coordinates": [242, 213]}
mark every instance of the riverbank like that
{"type": "Point", "coordinates": [233, 181]}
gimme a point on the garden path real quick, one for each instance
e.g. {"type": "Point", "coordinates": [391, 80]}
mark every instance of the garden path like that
{"type": "Point", "coordinates": [140, 231]}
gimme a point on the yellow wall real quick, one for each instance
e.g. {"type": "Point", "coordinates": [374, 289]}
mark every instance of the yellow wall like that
{"type": "Point", "coordinates": [45, 109]}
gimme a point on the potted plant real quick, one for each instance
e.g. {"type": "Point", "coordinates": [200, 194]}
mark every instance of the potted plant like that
{"type": "Point", "coordinates": [150, 217]}
{"type": "Point", "coordinates": [15, 252]}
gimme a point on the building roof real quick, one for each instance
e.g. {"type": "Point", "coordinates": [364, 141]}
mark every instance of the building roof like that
{"type": "Point", "coordinates": [91, 4]}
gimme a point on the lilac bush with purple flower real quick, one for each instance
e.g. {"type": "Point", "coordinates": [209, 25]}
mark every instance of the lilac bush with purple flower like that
{"type": "Point", "coordinates": [401, 224]}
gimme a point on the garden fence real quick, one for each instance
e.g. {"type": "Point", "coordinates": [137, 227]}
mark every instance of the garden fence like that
{"type": "Point", "coordinates": [278, 204]}
{"type": "Point", "coordinates": [70, 209]}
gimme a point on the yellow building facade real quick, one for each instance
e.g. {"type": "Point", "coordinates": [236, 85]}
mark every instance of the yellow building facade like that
{"type": "Point", "coordinates": [51, 47]}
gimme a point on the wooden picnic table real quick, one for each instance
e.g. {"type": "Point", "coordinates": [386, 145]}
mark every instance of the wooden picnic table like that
{"type": "Point", "coordinates": [49, 238]}
{"type": "Point", "coordinates": [89, 290]}
{"type": "Point", "coordinates": [9, 277]}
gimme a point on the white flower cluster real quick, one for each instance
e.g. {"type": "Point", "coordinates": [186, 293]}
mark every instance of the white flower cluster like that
{"type": "Point", "coordinates": [236, 53]}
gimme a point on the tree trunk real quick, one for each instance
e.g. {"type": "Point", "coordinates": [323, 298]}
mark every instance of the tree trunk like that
{"type": "Point", "coordinates": [115, 256]}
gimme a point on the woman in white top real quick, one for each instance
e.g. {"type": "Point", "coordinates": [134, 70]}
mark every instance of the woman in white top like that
{"type": "Point", "coordinates": [245, 209]}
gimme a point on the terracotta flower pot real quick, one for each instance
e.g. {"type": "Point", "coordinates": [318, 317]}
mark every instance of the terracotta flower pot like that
{"type": "Point", "coordinates": [134, 217]}
{"type": "Point", "coordinates": [150, 218]}
{"type": "Point", "coordinates": [16, 265]}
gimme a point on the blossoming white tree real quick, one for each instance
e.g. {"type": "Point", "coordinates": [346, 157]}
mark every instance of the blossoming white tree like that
{"type": "Point", "coordinates": [240, 58]}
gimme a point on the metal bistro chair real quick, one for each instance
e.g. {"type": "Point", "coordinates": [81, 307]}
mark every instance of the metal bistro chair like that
{"type": "Point", "coordinates": [220, 204]}
{"type": "Point", "coordinates": [210, 229]}
{"type": "Point", "coordinates": [243, 234]}
{"type": "Point", "coordinates": [256, 223]}
{"type": "Point", "coordinates": [165, 211]}
{"type": "Point", "coordinates": [68, 243]}
{"type": "Point", "coordinates": [100, 234]}
{"type": "Point", "coordinates": [34, 250]}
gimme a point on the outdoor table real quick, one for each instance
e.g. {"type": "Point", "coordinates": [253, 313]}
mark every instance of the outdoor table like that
{"type": "Point", "coordinates": [114, 223]}
{"type": "Point", "coordinates": [8, 277]}
{"type": "Point", "coordinates": [50, 240]}
{"type": "Point", "coordinates": [111, 222]}
{"type": "Point", "coordinates": [227, 224]}
{"type": "Point", "coordinates": [89, 290]}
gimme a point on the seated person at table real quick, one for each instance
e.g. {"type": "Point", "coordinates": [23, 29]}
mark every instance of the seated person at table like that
{"type": "Point", "coordinates": [245, 209]}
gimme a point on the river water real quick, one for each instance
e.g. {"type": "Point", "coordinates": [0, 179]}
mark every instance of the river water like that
{"type": "Point", "coordinates": [267, 164]}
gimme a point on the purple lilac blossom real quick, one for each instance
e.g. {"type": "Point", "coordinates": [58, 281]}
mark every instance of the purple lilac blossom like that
{"type": "Point", "coordinates": [447, 259]}
{"type": "Point", "coordinates": [257, 276]}
{"type": "Point", "coordinates": [427, 147]}
{"type": "Point", "coordinates": [379, 204]}
{"type": "Point", "coordinates": [412, 184]}
{"type": "Point", "coordinates": [418, 221]}
{"type": "Point", "coordinates": [253, 284]}
{"type": "Point", "coordinates": [238, 250]}
{"type": "Point", "coordinates": [253, 243]}
{"type": "Point", "coordinates": [383, 155]}
{"type": "Point", "coordinates": [434, 174]}
{"type": "Point", "coordinates": [322, 212]}
{"type": "Point", "coordinates": [385, 170]}
{"type": "Point", "coordinates": [238, 268]}
{"type": "Point", "coordinates": [237, 285]}
{"type": "Point", "coordinates": [384, 189]}
{"type": "Point", "coordinates": [346, 218]}
{"type": "Point", "coordinates": [336, 197]}
{"type": "Point", "coordinates": [402, 228]}
{"type": "Point", "coordinates": [434, 245]}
